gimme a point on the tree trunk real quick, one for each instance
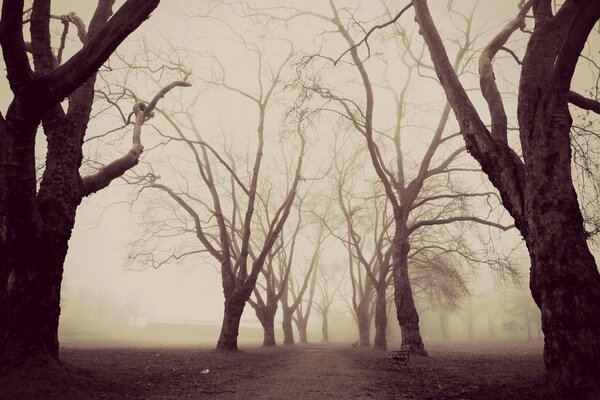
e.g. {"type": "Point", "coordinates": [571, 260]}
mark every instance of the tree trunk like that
{"type": "Point", "coordinates": [381, 320]}
{"type": "Point", "coordinates": [30, 319]}
{"type": "Point", "coordinates": [364, 328]}
{"type": "Point", "coordinates": [288, 328]}
{"type": "Point", "coordinates": [234, 307]}
{"type": "Point", "coordinates": [325, 325]}
{"type": "Point", "coordinates": [266, 316]}
{"type": "Point", "coordinates": [269, 335]}
{"type": "Point", "coordinates": [538, 190]}
{"type": "Point", "coordinates": [301, 324]}
{"type": "Point", "coordinates": [566, 288]}
{"type": "Point", "coordinates": [406, 311]}
{"type": "Point", "coordinates": [564, 277]}
{"type": "Point", "coordinates": [34, 232]}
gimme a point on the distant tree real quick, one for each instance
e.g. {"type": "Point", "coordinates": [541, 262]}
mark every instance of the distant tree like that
{"type": "Point", "coordinates": [299, 281]}
{"type": "Point", "coordinates": [439, 285]}
{"type": "Point", "coordinates": [275, 275]}
{"type": "Point", "coordinates": [423, 191]}
{"type": "Point", "coordinates": [522, 314]}
{"type": "Point", "coordinates": [329, 287]}
{"type": "Point", "coordinates": [37, 217]}
{"type": "Point", "coordinates": [367, 239]}
{"type": "Point", "coordinates": [468, 314]}
{"type": "Point", "coordinates": [304, 303]}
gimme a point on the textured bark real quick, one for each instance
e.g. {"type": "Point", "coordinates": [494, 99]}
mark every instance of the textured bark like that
{"type": "Point", "coordinates": [406, 312]}
{"type": "Point", "coordinates": [286, 325]}
{"type": "Point", "coordinates": [302, 326]}
{"type": "Point", "coordinates": [380, 342]}
{"type": "Point", "coordinates": [36, 224]}
{"type": "Point", "coordinates": [234, 307]}
{"type": "Point", "coordinates": [364, 328]}
{"type": "Point", "coordinates": [565, 286]}
{"type": "Point", "coordinates": [266, 316]}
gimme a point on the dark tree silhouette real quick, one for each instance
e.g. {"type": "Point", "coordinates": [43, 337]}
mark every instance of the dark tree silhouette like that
{"type": "Point", "coordinates": [36, 219]}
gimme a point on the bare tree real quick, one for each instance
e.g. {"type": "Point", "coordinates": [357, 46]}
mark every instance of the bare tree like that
{"type": "Point", "coordinates": [537, 187]}
{"type": "Point", "coordinates": [439, 285]}
{"type": "Point", "coordinates": [328, 287]}
{"type": "Point", "coordinates": [367, 241]}
{"type": "Point", "coordinates": [302, 300]}
{"type": "Point", "coordinates": [269, 291]}
{"type": "Point", "coordinates": [36, 221]}
{"type": "Point", "coordinates": [300, 280]}
{"type": "Point", "coordinates": [234, 233]}
{"type": "Point", "coordinates": [425, 199]}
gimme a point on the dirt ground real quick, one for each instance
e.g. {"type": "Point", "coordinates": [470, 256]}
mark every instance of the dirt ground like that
{"type": "Point", "coordinates": [471, 372]}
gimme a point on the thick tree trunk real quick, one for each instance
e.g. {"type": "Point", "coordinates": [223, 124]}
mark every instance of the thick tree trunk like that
{"type": "Point", "coordinates": [269, 335]}
{"type": "Point", "coordinates": [406, 312]}
{"type": "Point", "coordinates": [364, 328]}
{"type": "Point", "coordinates": [302, 326]}
{"type": "Point", "coordinates": [266, 316]}
{"type": "Point", "coordinates": [381, 321]}
{"type": "Point", "coordinates": [30, 319]}
{"type": "Point", "coordinates": [565, 286]}
{"type": "Point", "coordinates": [234, 307]}
{"type": "Point", "coordinates": [288, 328]}
{"type": "Point", "coordinates": [34, 232]}
{"type": "Point", "coordinates": [564, 277]}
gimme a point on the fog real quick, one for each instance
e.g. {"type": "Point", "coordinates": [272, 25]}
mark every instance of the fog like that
{"type": "Point", "coordinates": [112, 294]}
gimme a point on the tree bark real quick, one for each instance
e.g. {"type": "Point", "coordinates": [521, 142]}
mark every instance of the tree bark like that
{"type": "Point", "coordinates": [36, 223]}
{"type": "Point", "coordinates": [406, 311]}
{"type": "Point", "coordinates": [380, 342]}
{"type": "Point", "coordinates": [234, 307]}
{"type": "Point", "coordinates": [302, 326]}
{"type": "Point", "coordinates": [564, 287]}
{"type": "Point", "coordinates": [364, 328]}
{"type": "Point", "coordinates": [286, 325]}
{"type": "Point", "coordinates": [266, 316]}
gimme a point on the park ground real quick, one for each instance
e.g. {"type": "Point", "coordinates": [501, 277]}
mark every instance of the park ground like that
{"type": "Point", "coordinates": [460, 371]}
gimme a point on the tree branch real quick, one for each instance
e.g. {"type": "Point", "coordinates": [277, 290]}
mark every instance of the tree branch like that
{"type": "Point", "coordinates": [450, 220]}
{"type": "Point", "coordinates": [584, 102]}
{"type": "Point", "coordinates": [373, 29]}
{"type": "Point", "coordinates": [101, 179]}
{"type": "Point", "coordinates": [68, 77]}
{"type": "Point", "coordinates": [13, 47]}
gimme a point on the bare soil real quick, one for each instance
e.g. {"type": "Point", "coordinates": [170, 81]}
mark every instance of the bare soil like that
{"type": "Point", "coordinates": [470, 372]}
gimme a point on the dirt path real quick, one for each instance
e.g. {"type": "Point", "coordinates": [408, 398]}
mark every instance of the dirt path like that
{"type": "Point", "coordinates": [312, 373]}
{"type": "Point", "coordinates": [484, 372]}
